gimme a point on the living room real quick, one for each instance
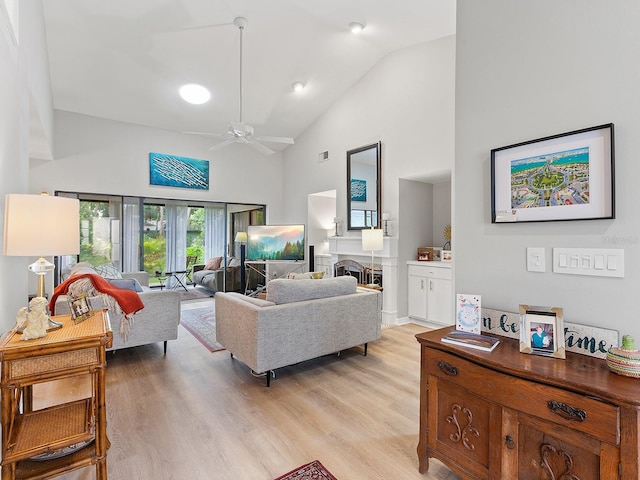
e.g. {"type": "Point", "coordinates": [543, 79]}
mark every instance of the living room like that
{"type": "Point", "coordinates": [513, 72]}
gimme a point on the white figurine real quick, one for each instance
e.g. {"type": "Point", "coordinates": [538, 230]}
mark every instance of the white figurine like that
{"type": "Point", "coordinates": [37, 319]}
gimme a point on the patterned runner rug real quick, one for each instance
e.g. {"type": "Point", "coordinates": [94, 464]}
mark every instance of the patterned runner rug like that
{"type": "Point", "coordinates": [201, 323]}
{"type": "Point", "coordinates": [311, 471]}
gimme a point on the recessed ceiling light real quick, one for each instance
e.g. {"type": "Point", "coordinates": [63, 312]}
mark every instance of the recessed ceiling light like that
{"type": "Point", "coordinates": [356, 27]}
{"type": "Point", "coordinates": [195, 94]}
{"type": "Point", "coordinates": [297, 86]}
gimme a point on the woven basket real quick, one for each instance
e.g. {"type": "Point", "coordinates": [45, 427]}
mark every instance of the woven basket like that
{"type": "Point", "coordinates": [624, 360]}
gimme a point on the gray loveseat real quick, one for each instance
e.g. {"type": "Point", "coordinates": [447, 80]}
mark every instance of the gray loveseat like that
{"type": "Point", "coordinates": [156, 322]}
{"type": "Point", "coordinates": [299, 320]}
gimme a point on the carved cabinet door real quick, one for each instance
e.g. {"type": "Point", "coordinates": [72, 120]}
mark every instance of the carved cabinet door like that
{"type": "Point", "coordinates": [553, 452]}
{"type": "Point", "coordinates": [462, 427]}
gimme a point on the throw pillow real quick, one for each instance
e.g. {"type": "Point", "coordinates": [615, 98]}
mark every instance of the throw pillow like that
{"type": "Point", "coordinates": [234, 262]}
{"type": "Point", "coordinates": [108, 270]}
{"type": "Point", "coordinates": [81, 268]}
{"type": "Point", "coordinates": [126, 284]}
{"type": "Point", "coordinates": [213, 263]}
{"type": "Point", "coordinates": [307, 275]}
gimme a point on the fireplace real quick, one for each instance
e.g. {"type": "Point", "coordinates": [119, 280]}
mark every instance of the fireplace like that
{"type": "Point", "coordinates": [361, 271]}
{"type": "Point", "coordinates": [348, 249]}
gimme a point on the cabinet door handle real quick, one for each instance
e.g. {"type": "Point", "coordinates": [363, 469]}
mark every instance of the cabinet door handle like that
{"type": "Point", "coordinates": [422, 284]}
{"type": "Point", "coordinates": [447, 368]}
{"type": "Point", "coordinates": [431, 285]}
{"type": "Point", "coordinates": [567, 411]}
{"type": "Point", "coordinates": [509, 443]}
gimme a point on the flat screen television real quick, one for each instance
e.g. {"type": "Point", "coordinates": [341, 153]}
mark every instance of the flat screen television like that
{"type": "Point", "coordinates": [275, 242]}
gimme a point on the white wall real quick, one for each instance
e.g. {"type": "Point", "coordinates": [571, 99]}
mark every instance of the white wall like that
{"type": "Point", "coordinates": [407, 102]}
{"type": "Point", "coordinates": [15, 65]}
{"type": "Point", "coordinates": [102, 156]}
{"type": "Point", "coordinates": [526, 70]}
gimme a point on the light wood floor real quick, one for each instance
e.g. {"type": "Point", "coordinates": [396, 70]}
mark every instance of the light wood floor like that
{"type": "Point", "coordinates": [200, 415]}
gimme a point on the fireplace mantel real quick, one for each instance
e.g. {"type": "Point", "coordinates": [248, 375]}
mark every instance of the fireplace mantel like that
{"type": "Point", "coordinates": [346, 246]}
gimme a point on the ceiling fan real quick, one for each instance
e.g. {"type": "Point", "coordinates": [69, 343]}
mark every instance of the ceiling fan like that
{"type": "Point", "coordinates": [240, 132]}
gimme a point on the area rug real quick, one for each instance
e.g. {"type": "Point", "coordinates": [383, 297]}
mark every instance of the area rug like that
{"type": "Point", "coordinates": [201, 323]}
{"type": "Point", "coordinates": [193, 293]}
{"type": "Point", "coordinates": [311, 471]}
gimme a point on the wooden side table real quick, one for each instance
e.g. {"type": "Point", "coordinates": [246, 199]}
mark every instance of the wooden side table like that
{"type": "Point", "coordinates": [73, 350]}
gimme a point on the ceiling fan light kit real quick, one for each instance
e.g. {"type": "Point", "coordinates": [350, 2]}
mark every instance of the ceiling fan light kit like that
{"type": "Point", "coordinates": [240, 132]}
{"type": "Point", "coordinates": [297, 87]}
{"type": "Point", "coordinates": [194, 94]}
{"type": "Point", "coordinates": [356, 27]}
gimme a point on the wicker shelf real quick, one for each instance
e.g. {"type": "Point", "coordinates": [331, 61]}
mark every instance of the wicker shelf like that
{"type": "Point", "coordinates": [27, 433]}
{"type": "Point", "coordinates": [49, 429]}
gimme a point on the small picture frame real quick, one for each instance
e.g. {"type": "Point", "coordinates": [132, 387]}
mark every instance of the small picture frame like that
{"type": "Point", "coordinates": [542, 331]}
{"type": "Point", "coordinates": [80, 307]}
{"type": "Point", "coordinates": [446, 256]}
{"type": "Point", "coordinates": [425, 254]}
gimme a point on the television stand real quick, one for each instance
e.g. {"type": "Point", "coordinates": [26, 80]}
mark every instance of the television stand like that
{"type": "Point", "coordinates": [254, 265]}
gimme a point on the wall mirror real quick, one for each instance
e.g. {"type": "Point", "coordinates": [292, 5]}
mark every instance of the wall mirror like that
{"type": "Point", "coordinates": [364, 187]}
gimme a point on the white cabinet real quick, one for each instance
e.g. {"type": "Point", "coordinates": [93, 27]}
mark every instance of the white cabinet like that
{"type": "Point", "coordinates": [429, 290]}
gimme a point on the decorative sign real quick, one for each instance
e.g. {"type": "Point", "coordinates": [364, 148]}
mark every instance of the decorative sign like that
{"type": "Point", "coordinates": [582, 339]}
{"type": "Point", "coordinates": [174, 171]}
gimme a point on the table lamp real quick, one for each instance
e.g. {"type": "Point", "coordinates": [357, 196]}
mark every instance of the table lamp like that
{"type": "Point", "coordinates": [372, 239]}
{"type": "Point", "coordinates": [41, 225]}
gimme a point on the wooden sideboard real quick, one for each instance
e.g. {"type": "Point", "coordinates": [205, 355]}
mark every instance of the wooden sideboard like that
{"type": "Point", "coordinates": [28, 434]}
{"type": "Point", "coordinates": [507, 415]}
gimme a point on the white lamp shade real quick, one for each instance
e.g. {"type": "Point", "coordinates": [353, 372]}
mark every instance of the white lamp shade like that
{"type": "Point", "coordinates": [241, 237]}
{"type": "Point", "coordinates": [372, 239]}
{"type": "Point", "coordinates": [41, 225]}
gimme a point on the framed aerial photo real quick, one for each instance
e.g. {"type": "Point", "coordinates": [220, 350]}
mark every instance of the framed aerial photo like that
{"type": "Point", "coordinates": [542, 331]}
{"type": "Point", "coordinates": [569, 176]}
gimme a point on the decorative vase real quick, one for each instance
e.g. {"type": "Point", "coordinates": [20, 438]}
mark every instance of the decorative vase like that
{"type": "Point", "coordinates": [624, 360]}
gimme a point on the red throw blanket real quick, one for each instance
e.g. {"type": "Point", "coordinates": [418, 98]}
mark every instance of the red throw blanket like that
{"type": "Point", "coordinates": [128, 300]}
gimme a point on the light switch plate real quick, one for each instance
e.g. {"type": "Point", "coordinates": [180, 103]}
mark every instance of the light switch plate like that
{"type": "Point", "coordinates": [601, 262]}
{"type": "Point", "coordinates": [536, 261]}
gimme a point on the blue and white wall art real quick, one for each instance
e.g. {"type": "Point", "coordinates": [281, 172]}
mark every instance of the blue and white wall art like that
{"type": "Point", "coordinates": [174, 171]}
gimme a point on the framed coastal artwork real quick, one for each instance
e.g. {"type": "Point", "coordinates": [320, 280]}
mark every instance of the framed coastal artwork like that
{"type": "Point", "coordinates": [569, 176]}
{"type": "Point", "coordinates": [174, 171]}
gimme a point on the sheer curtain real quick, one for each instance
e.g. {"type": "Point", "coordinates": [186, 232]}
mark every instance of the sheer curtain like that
{"type": "Point", "coordinates": [176, 235]}
{"type": "Point", "coordinates": [131, 234]}
{"type": "Point", "coordinates": [214, 237]}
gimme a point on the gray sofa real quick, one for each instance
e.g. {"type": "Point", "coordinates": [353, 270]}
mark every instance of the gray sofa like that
{"type": "Point", "coordinates": [157, 322]}
{"type": "Point", "coordinates": [299, 320]}
{"type": "Point", "coordinates": [214, 280]}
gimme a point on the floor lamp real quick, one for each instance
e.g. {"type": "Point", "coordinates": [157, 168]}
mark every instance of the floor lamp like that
{"type": "Point", "coordinates": [241, 238]}
{"type": "Point", "coordinates": [372, 239]}
{"type": "Point", "coordinates": [41, 226]}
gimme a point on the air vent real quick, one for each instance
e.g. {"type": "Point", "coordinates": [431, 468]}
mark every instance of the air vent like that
{"type": "Point", "coordinates": [323, 156]}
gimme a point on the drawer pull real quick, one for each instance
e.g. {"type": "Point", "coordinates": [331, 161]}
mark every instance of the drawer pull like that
{"type": "Point", "coordinates": [447, 368]}
{"type": "Point", "coordinates": [567, 411]}
{"type": "Point", "coordinates": [509, 443]}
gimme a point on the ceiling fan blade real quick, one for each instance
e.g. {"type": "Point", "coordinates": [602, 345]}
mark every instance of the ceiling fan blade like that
{"type": "Point", "coordinates": [264, 138]}
{"type": "Point", "coordinates": [261, 148]}
{"type": "Point", "coordinates": [207, 134]}
{"type": "Point", "coordinates": [221, 145]}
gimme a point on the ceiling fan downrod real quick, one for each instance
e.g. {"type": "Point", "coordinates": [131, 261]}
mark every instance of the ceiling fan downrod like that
{"type": "Point", "coordinates": [241, 23]}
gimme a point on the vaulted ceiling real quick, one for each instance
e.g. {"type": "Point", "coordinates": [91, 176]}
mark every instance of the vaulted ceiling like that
{"type": "Point", "coordinates": [126, 59]}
